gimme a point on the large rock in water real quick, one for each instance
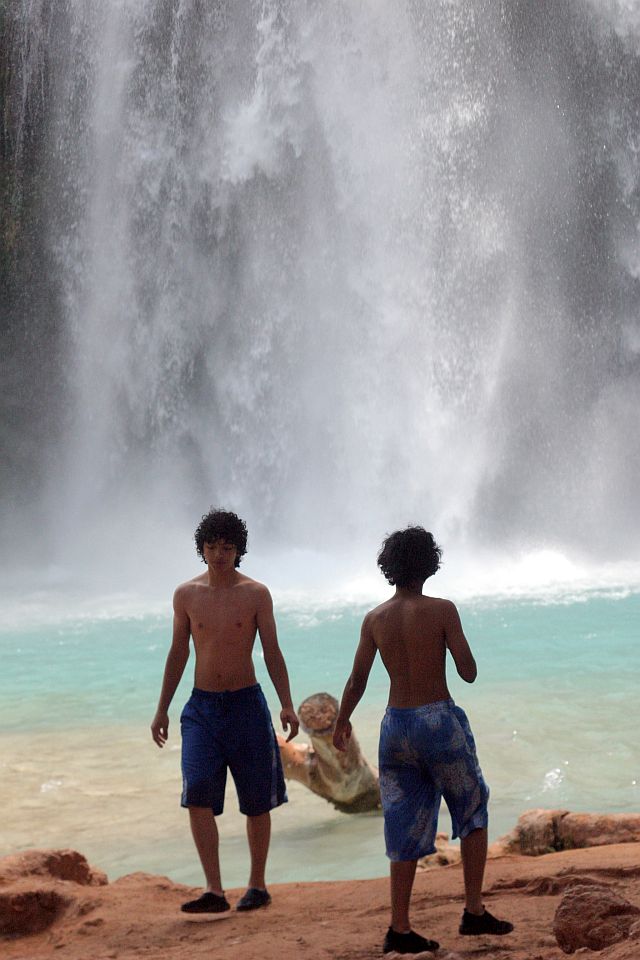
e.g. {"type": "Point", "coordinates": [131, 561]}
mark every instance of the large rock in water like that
{"type": "Point", "coordinates": [594, 917]}
{"type": "Point", "coordinates": [542, 831]}
{"type": "Point", "coordinates": [345, 779]}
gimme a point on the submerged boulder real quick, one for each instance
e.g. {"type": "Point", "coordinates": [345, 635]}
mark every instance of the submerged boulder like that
{"type": "Point", "coordinates": [347, 780]}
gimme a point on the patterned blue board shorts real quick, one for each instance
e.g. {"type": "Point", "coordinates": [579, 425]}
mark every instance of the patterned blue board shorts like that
{"type": "Point", "coordinates": [427, 753]}
{"type": "Point", "coordinates": [233, 730]}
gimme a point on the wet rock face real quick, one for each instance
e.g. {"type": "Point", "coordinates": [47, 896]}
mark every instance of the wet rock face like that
{"type": "Point", "coordinates": [535, 832]}
{"type": "Point", "coordinates": [542, 831]}
{"type": "Point", "coordinates": [577, 830]}
{"type": "Point", "coordinates": [29, 911]}
{"type": "Point", "coordinates": [56, 864]}
{"type": "Point", "coordinates": [594, 917]}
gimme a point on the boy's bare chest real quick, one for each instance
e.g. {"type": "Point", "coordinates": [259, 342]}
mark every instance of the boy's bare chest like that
{"type": "Point", "coordinates": [231, 619]}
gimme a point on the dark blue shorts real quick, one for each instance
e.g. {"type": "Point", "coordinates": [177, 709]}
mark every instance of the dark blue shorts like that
{"type": "Point", "coordinates": [230, 729]}
{"type": "Point", "coordinates": [427, 753]}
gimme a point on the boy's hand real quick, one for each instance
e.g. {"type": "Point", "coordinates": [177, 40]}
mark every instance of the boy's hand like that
{"type": "Point", "coordinates": [160, 728]}
{"type": "Point", "coordinates": [342, 735]}
{"type": "Point", "coordinates": [289, 720]}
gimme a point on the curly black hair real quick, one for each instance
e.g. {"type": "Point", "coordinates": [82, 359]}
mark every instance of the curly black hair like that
{"type": "Point", "coordinates": [409, 556]}
{"type": "Point", "coordinates": [221, 525]}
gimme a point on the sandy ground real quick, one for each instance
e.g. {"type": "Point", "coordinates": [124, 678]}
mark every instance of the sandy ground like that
{"type": "Point", "coordinates": [139, 916]}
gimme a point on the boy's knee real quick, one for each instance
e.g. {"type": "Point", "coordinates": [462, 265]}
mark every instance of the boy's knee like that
{"type": "Point", "coordinates": [200, 813]}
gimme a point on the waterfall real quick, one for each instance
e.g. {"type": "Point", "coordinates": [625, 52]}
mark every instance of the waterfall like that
{"type": "Point", "coordinates": [339, 266]}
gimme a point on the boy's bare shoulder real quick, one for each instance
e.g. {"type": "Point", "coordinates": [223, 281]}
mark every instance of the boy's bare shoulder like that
{"type": "Point", "coordinates": [189, 586]}
{"type": "Point", "coordinates": [377, 613]}
{"type": "Point", "coordinates": [188, 590]}
{"type": "Point", "coordinates": [248, 583]}
{"type": "Point", "coordinates": [440, 602]}
{"type": "Point", "coordinates": [440, 607]}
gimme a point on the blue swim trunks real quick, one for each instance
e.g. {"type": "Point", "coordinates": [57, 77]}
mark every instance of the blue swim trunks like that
{"type": "Point", "coordinates": [427, 753]}
{"type": "Point", "coordinates": [231, 729]}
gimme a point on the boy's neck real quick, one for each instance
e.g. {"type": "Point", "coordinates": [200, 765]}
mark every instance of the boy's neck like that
{"type": "Point", "coordinates": [411, 590]}
{"type": "Point", "coordinates": [226, 578]}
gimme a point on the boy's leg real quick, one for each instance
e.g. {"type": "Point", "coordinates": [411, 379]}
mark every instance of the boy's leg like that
{"type": "Point", "coordinates": [256, 767]}
{"type": "Point", "coordinates": [410, 804]}
{"type": "Point", "coordinates": [402, 876]}
{"type": "Point", "coordinates": [205, 837]}
{"type": "Point", "coordinates": [400, 937]}
{"type": "Point", "coordinates": [204, 774]}
{"type": "Point", "coordinates": [476, 921]}
{"type": "Point", "coordinates": [473, 848]}
{"type": "Point", "coordinates": [258, 835]}
{"type": "Point", "coordinates": [469, 815]}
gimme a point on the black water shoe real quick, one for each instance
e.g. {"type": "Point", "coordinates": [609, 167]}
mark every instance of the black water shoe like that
{"type": "Point", "coordinates": [253, 899]}
{"type": "Point", "coordinates": [475, 925]}
{"type": "Point", "coordinates": [207, 903]}
{"type": "Point", "coordinates": [410, 942]}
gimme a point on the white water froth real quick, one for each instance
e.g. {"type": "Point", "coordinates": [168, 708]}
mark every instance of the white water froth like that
{"type": "Point", "coordinates": [315, 587]}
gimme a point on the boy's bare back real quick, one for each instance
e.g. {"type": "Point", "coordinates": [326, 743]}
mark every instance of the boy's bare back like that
{"type": "Point", "coordinates": [412, 633]}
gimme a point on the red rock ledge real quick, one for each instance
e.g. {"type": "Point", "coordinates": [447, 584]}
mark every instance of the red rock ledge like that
{"type": "Point", "coordinates": [54, 904]}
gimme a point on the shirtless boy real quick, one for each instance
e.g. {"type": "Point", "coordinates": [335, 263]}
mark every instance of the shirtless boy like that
{"type": "Point", "coordinates": [427, 749]}
{"type": "Point", "coordinates": [226, 721]}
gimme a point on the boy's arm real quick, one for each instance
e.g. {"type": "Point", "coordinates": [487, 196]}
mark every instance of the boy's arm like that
{"type": "Point", "coordinates": [274, 662]}
{"type": "Point", "coordinates": [457, 643]}
{"type": "Point", "coordinates": [174, 668]}
{"type": "Point", "coordinates": [356, 685]}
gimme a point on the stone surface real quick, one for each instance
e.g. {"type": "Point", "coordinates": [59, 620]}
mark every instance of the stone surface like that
{"type": "Point", "coordinates": [626, 950]}
{"type": "Point", "coordinates": [29, 911]}
{"type": "Point", "coordinates": [138, 916]}
{"type": "Point", "coordinates": [344, 778]}
{"type": "Point", "coordinates": [594, 917]}
{"type": "Point", "coordinates": [577, 830]}
{"type": "Point", "coordinates": [56, 864]}
{"type": "Point", "coordinates": [541, 831]}
{"type": "Point", "coordinates": [534, 834]}
{"type": "Point", "coordinates": [445, 854]}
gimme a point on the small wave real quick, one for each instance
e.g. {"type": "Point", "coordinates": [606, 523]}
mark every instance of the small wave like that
{"type": "Point", "coordinates": [49, 786]}
{"type": "Point", "coordinates": [552, 780]}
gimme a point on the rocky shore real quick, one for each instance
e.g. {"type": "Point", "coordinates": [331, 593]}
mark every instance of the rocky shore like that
{"type": "Point", "coordinates": [582, 898]}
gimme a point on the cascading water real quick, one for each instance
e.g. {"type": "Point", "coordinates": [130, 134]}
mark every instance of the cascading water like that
{"type": "Point", "coordinates": [339, 266]}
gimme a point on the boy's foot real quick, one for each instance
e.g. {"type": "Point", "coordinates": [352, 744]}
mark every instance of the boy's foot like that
{"type": "Point", "coordinates": [474, 925]}
{"type": "Point", "coordinates": [253, 898]}
{"type": "Point", "coordinates": [207, 903]}
{"type": "Point", "coordinates": [410, 942]}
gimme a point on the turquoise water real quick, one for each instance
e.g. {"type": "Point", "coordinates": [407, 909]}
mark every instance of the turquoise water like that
{"type": "Point", "coordinates": [554, 711]}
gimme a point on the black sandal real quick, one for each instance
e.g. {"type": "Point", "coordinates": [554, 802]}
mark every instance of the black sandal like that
{"type": "Point", "coordinates": [410, 942]}
{"type": "Point", "coordinates": [474, 925]}
{"type": "Point", "coordinates": [207, 903]}
{"type": "Point", "coordinates": [253, 899]}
